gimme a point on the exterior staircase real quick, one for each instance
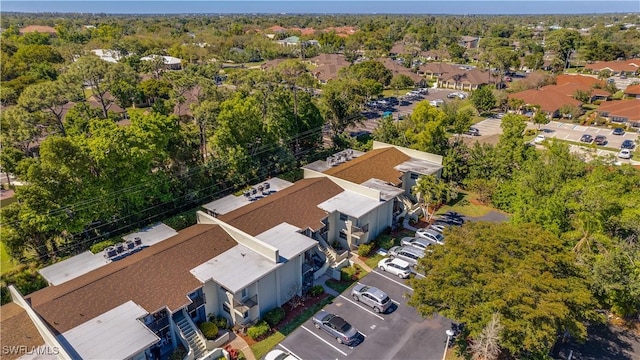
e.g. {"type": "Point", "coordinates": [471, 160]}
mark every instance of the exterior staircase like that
{"type": "Point", "coordinates": [196, 343]}
{"type": "Point", "coordinates": [328, 253]}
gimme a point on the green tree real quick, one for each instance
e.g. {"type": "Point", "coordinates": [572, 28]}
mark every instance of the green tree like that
{"type": "Point", "coordinates": [456, 51]}
{"type": "Point", "coordinates": [483, 99]}
{"type": "Point", "coordinates": [340, 102]}
{"type": "Point", "coordinates": [540, 118]}
{"type": "Point", "coordinates": [9, 159]}
{"type": "Point", "coordinates": [426, 129]}
{"type": "Point", "coordinates": [401, 81]}
{"type": "Point", "coordinates": [49, 97]}
{"type": "Point", "coordinates": [431, 192]}
{"type": "Point", "coordinates": [519, 271]}
{"type": "Point", "coordinates": [370, 69]}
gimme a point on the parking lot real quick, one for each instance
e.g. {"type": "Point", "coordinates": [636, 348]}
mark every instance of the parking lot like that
{"type": "Point", "coordinates": [400, 333]}
{"type": "Point", "coordinates": [573, 132]}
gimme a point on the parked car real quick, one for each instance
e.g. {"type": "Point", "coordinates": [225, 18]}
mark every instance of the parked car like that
{"type": "Point", "coordinates": [424, 91]}
{"type": "Point", "coordinates": [371, 296]}
{"type": "Point", "coordinates": [279, 355]}
{"type": "Point", "coordinates": [419, 243]}
{"type": "Point", "coordinates": [438, 227]}
{"type": "Point", "coordinates": [473, 131]}
{"type": "Point", "coordinates": [451, 220]}
{"type": "Point", "coordinates": [600, 140]}
{"type": "Point", "coordinates": [395, 266]}
{"type": "Point", "coordinates": [618, 131]}
{"type": "Point", "coordinates": [539, 139]}
{"type": "Point", "coordinates": [586, 138]}
{"type": "Point", "coordinates": [436, 102]}
{"type": "Point", "coordinates": [409, 254]}
{"type": "Point", "coordinates": [624, 154]}
{"type": "Point", "coordinates": [627, 144]}
{"type": "Point", "coordinates": [335, 326]}
{"type": "Point", "coordinates": [430, 235]}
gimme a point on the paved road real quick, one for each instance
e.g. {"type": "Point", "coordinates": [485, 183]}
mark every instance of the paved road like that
{"type": "Point", "coordinates": [573, 132]}
{"type": "Point", "coordinates": [603, 343]}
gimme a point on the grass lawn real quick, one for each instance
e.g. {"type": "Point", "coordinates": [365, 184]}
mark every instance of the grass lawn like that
{"type": "Point", "coordinates": [6, 261]}
{"type": "Point", "coordinates": [356, 272]}
{"type": "Point", "coordinates": [260, 349]}
{"type": "Point", "coordinates": [373, 260]}
{"type": "Point", "coordinates": [465, 206]}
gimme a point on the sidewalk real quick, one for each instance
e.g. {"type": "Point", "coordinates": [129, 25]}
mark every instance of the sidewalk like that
{"type": "Point", "coordinates": [321, 281]}
{"type": "Point", "coordinates": [240, 344]}
{"type": "Point", "coordinates": [356, 260]}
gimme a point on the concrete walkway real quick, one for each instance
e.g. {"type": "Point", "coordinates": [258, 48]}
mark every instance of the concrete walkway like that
{"type": "Point", "coordinates": [356, 260]}
{"type": "Point", "coordinates": [322, 281]}
{"type": "Point", "coordinates": [238, 343]}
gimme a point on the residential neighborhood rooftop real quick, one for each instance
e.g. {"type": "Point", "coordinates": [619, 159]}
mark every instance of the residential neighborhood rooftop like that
{"type": "Point", "coordinates": [17, 329]}
{"type": "Point", "coordinates": [232, 202]}
{"type": "Point", "coordinates": [296, 205]}
{"type": "Point", "coordinates": [350, 203]}
{"type": "Point", "coordinates": [154, 278]}
{"type": "Point", "coordinates": [120, 332]}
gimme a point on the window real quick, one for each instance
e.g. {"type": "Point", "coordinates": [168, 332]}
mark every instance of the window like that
{"type": "Point", "coordinates": [344, 217]}
{"type": "Point", "coordinates": [343, 235]}
{"type": "Point", "coordinates": [414, 176]}
{"type": "Point", "coordinates": [226, 308]}
{"type": "Point", "coordinates": [244, 293]}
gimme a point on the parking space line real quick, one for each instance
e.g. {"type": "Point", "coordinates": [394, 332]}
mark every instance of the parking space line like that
{"type": "Point", "coordinates": [565, 137]}
{"type": "Point", "coordinates": [395, 302]}
{"type": "Point", "coordinates": [397, 282]}
{"type": "Point", "coordinates": [361, 333]}
{"type": "Point", "coordinates": [362, 307]}
{"type": "Point", "coordinates": [418, 274]}
{"type": "Point", "coordinates": [325, 341]}
{"type": "Point", "coordinates": [290, 352]}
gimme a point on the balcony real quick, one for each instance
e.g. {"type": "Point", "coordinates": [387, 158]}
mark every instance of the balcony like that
{"type": "Point", "coordinates": [159, 324]}
{"type": "Point", "coordinates": [196, 303]}
{"type": "Point", "coordinates": [245, 305]}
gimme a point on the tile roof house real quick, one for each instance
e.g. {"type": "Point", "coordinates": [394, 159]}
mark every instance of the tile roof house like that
{"type": "Point", "coordinates": [464, 79]}
{"type": "Point", "coordinates": [548, 98]}
{"type": "Point", "coordinates": [170, 62]}
{"type": "Point", "coordinates": [629, 67]}
{"type": "Point", "coordinates": [632, 91]}
{"type": "Point", "coordinates": [39, 28]}
{"type": "Point", "coordinates": [397, 69]}
{"type": "Point", "coordinates": [469, 42]}
{"type": "Point", "coordinates": [625, 112]}
{"type": "Point", "coordinates": [436, 55]}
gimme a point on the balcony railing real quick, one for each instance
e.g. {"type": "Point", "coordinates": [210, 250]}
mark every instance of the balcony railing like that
{"type": "Point", "coordinates": [245, 305]}
{"type": "Point", "coordinates": [159, 324]}
{"type": "Point", "coordinates": [196, 303]}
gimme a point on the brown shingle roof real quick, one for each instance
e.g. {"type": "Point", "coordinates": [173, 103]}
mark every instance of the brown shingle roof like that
{"type": "Point", "coordinates": [155, 277]}
{"type": "Point", "coordinates": [296, 205]}
{"type": "Point", "coordinates": [471, 77]}
{"type": "Point", "coordinates": [378, 164]}
{"type": "Point", "coordinates": [16, 329]}
{"type": "Point", "coordinates": [397, 69]}
{"type": "Point", "coordinates": [585, 81]}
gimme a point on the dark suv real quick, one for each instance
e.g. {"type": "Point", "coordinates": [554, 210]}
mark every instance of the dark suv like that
{"type": "Point", "coordinates": [586, 138]}
{"type": "Point", "coordinates": [600, 140]}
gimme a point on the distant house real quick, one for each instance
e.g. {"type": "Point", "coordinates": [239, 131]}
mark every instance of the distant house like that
{"type": "Point", "coordinates": [39, 28]}
{"type": "Point", "coordinates": [271, 64]}
{"type": "Point", "coordinates": [436, 55]}
{"type": "Point", "coordinates": [304, 31]}
{"type": "Point", "coordinates": [327, 66]}
{"type": "Point", "coordinates": [397, 69]}
{"type": "Point", "coordinates": [455, 77]}
{"type": "Point", "coordinates": [625, 112]}
{"type": "Point", "coordinates": [170, 62]}
{"type": "Point", "coordinates": [112, 56]}
{"type": "Point", "coordinates": [548, 98]}
{"type": "Point", "coordinates": [469, 42]}
{"type": "Point", "coordinates": [617, 67]}
{"type": "Point", "coordinates": [290, 41]}
{"type": "Point", "coordinates": [401, 49]}
{"type": "Point", "coordinates": [571, 84]}
{"type": "Point", "coordinates": [632, 91]}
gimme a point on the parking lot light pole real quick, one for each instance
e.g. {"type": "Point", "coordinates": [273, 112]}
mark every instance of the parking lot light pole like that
{"type": "Point", "coordinates": [449, 333]}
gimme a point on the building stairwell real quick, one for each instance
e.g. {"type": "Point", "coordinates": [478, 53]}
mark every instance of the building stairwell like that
{"type": "Point", "coordinates": [186, 327]}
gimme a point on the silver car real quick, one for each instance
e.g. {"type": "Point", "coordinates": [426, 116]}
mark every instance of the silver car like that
{"type": "Point", "coordinates": [372, 296]}
{"type": "Point", "coordinates": [419, 243]}
{"type": "Point", "coordinates": [335, 326]}
{"type": "Point", "coordinates": [397, 267]}
{"type": "Point", "coordinates": [409, 254]}
{"type": "Point", "coordinates": [430, 235]}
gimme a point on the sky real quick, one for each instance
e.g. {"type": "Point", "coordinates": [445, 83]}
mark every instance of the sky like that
{"type": "Point", "coordinates": [455, 7]}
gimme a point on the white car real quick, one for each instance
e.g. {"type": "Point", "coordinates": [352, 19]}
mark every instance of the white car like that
{"type": "Point", "coordinates": [436, 102]}
{"type": "Point", "coordinates": [395, 266]}
{"type": "Point", "coordinates": [279, 355]}
{"type": "Point", "coordinates": [438, 227]}
{"type": "Point", "coordinates": [419, 243]}
{"type": "Point", "coordinates": [624, 154]}
{"type": "Point", "coordinates": [539, 139]}
{"type": "Point", "coordinates": [430, 235]}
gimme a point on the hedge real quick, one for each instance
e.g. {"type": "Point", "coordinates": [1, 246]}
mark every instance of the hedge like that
{"type": "Point", "coordinates": [258, 330]}
{"type": "Point", "coordinates": [274, 316]}
{"type": "Point", "coordinates": [316, 290]}
{"type": "Point", "coordinates": [209, 330]}
{"type": "Point", "coordinates": [365, 249]}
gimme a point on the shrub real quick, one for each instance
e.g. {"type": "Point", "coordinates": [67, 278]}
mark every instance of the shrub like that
{"type": "Point", "coordinates": [349, 273]}
{"type": "Point", "coordinates": [221, 322]}
{"type": "Point", "coordinates": [365, 249]}
{"type": "Point", "coordinates": [316, 290]}
{"type": "Point", "coordinates": [258, 330]}
{"type": "Point", "coordinates": [25, 278]}
{"type": "Point", "coordinates": [274, 316]}
{"type": "Point", "coordinates": [530, 132]}
{"type": "Point", "coordinates": [209, 330]}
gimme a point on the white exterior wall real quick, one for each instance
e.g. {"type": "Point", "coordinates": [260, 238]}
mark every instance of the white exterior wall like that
{"type": "Point", "coordinates": [290, 278]}
{"type": "Point", "coordinates": [212, 303]}
{"type": "Point", "coordinates": [268, 292]}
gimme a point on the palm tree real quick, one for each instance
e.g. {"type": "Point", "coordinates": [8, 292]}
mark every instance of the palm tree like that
{"type": "Point", "coordinates": [430, 191]}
